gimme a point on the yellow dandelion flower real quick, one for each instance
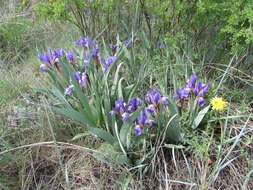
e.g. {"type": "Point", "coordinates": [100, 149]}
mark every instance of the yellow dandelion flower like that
{"type": "Point", "coordinates": [218, 104]}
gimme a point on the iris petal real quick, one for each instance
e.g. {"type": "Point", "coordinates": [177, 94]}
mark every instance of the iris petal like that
{"type": "Point", "coordinates": [137, 130]}
{"type": "Point", "coordinates": [68, 90]}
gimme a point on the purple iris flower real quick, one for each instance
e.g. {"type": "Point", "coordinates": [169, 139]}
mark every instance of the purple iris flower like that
{"type": "Point", "coordinates": [70, 56]}
{"type": "Point", "coordinates": [112, 47]}
{"type": "Point", "coordinates": [94, 44]}
{"type": "Point", "coordinates": [201, 89]}
{"type": "Point", "coordinates": [142, 117]}
{"type": "Point", "coordinates": [48, 57]}
{"type": "Point", "coordinates": [159, 44]}
{"type": "Point", "coordinates": [190, 83]}
{"type": "Point", "coordinates": [81, 78]}
{"type": "Point", "coordinates": [51, 56]}
{"type": "Point", "coordinates": [87, 54]}
{"type": "Point", "coordinates": [95, 52]}
{"type": "Point", "coordinates": [138, 102]}
{"type": "Point", "coordinates": [108, 61]}
{"type": "Point", "coordinates": [181, 94]}
{"type": "Point", "coordinates": [137, 130]}
{"type": "Point", "coordinates": [164, 100]}
{"type": "Point", "coordinates": [55, 54]}
{"type": "Point", "coordinates": [133, 104]}
{"type": "Point", "coordinates": [68, 90]}
{"type": "Point", "coordinates": [127, 42]}
{"type": "Point", "coordinates": [77, 76]}
{"type": "Point", "coordinates": [44, 58]}
{"type": "Point", "coordinates": [83, 81]}
{"type": "Point", "coordinates": [153, 97]}
{"type": "Point", "coordinates": [148, 97]}
{"type": "Point", "coordinates": [201, 101]}
{"type": "Point", "coordinates": [141, 121]}
{"type": "Point", "coordinates": [51, 53]}
{"type": "Point", "coordinates": [43, 68]}
{"type": "Point", "coordinates": [125, 116]}
{"type": "Point", "coordinates": [58, 53]}
{"type": "Point", "coordinates": [86, 62]}
{"type": "Point", "coordinates": [119, 103]}
{"type": "Point", "coordinates": [120, 107]}
{"type": "Point", "coordinates": [83, 41]}
{"type": "Point", "coordinates": [156, 98]}
{"type": "Point", "coordinates": [150, 122]}
{"type": "Point", "coordinates": [87, 57]}
{"type": "Point", "coordinates": [150, 109]}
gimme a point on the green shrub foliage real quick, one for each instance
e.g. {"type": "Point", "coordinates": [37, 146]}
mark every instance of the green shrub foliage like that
{"type": "Point", "coordinates": [226, 25]}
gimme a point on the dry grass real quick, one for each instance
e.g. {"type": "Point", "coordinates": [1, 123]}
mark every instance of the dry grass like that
{"type": "Point", "coordinates": [74, 169]}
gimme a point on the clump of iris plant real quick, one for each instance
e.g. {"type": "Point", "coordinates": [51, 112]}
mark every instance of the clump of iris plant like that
{"type": "Point", "coordinates": [192, 90]}
{"type": "Point", "coordinates": [91, 52]}
{"type": "Point", "coordinates": [148, 113]}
